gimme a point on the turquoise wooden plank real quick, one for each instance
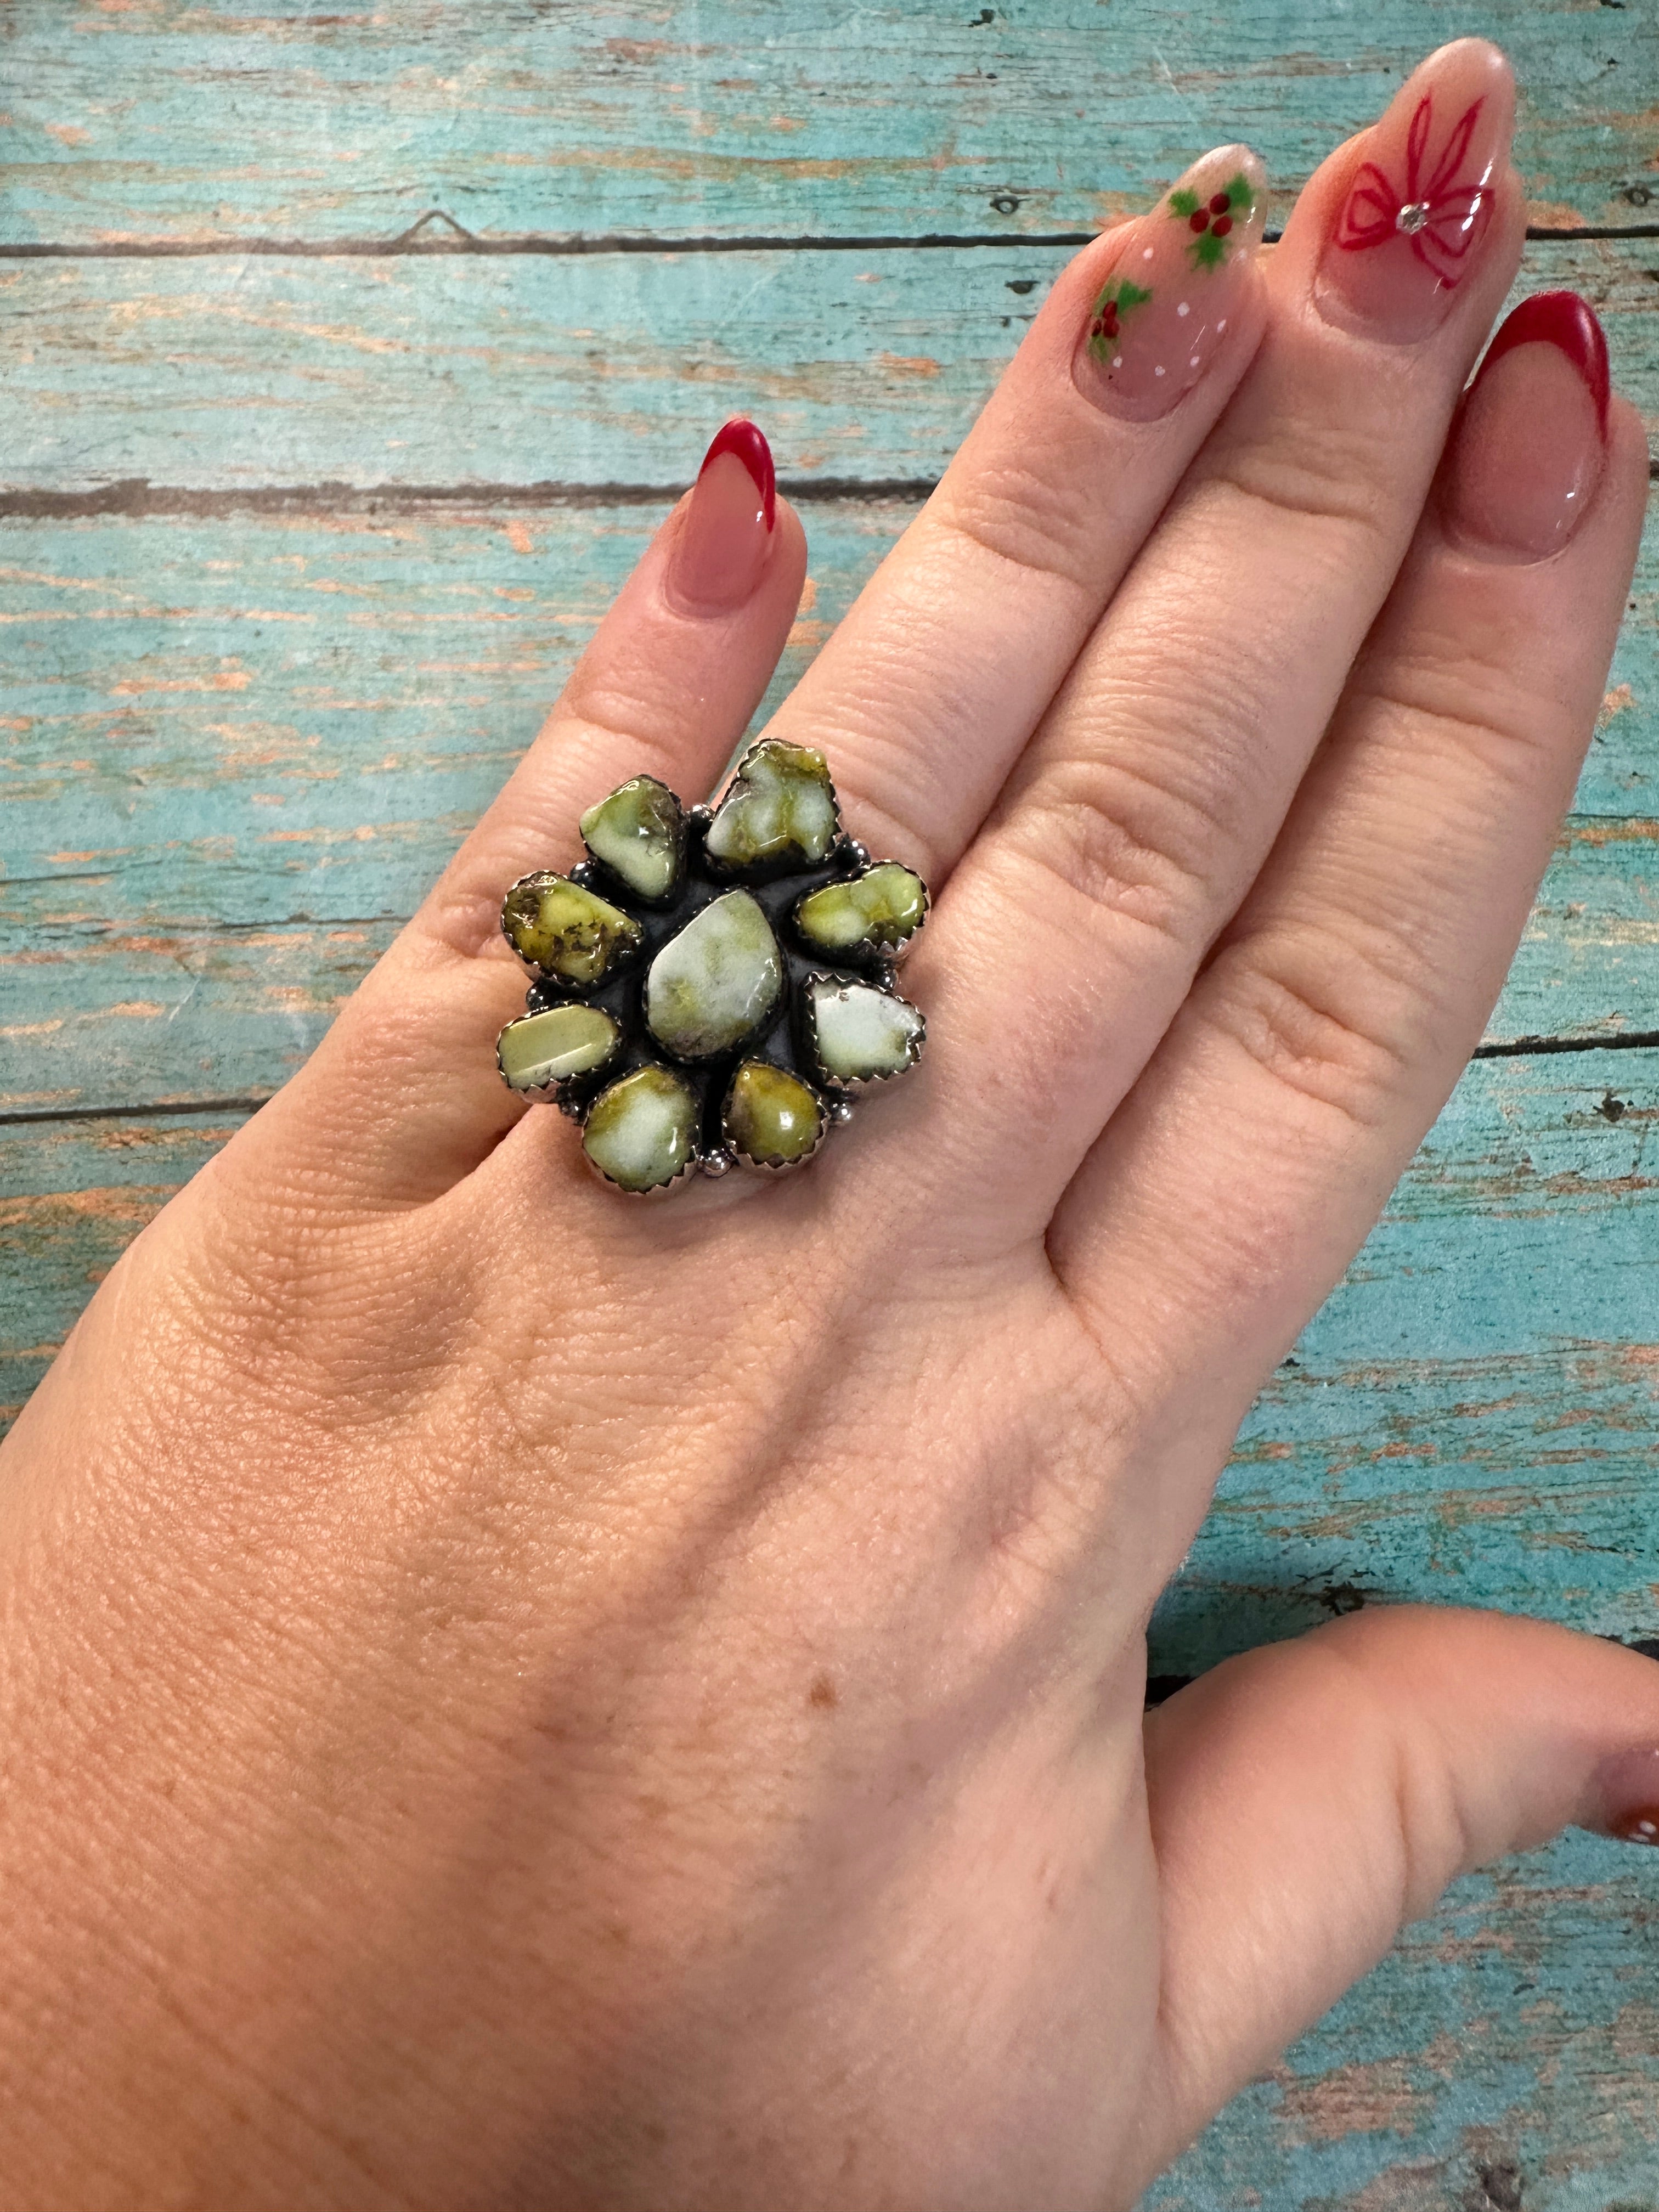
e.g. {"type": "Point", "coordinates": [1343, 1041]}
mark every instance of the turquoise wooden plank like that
{"type": "Point", "coordinates": [237, 751]}
{"type": "Point", "coordinates": [223, 845]}
{"type": "Point", "coordinates": [1532, 1181]}
{"type": "Point", "coordinates": [181, 121]}
{"type": "Point", "coordinates": [1469, 1418]}
{"type": "Point", "coordinates": [1508, 2051]}
{"type": "Point", "coordinates": [862, 368]}
{"type": "Point", "coordinates": [1504, 2058]}
{"type": "Point", "coordinates": [73, 1195]}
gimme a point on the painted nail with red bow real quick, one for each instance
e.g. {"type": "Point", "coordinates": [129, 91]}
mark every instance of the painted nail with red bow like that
{"type": "Point", "coordinates": [1411, 225]}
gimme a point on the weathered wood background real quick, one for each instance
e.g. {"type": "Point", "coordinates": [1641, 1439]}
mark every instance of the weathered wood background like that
{"type": "Point", "coordinates": [349, 358]}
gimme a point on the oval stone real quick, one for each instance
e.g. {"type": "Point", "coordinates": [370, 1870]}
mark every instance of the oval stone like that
{"type": "Point", "coordinates": [640, 832]}
{"type": "Point", "coordinates": [565, 931]}
{"type": "Point", "coordinates": [642, 1132]}
{"type": "Point", "coordinates": [859, 1034]}
{"type": "Point", "coordinates": [771, 1117]}
{"type": "Point", "coordinates": [715, 982]}
{"type": "Point", "coordinates": [781, 811]}
{"type": "Point", "coordinates": [876, 912]}
{"type": "Point", "coordinates": [551, 1047]}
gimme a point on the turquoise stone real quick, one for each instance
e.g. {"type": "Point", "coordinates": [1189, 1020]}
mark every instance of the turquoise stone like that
{"type": "Point", "coordinates": [715, 982]}
{"type": "Point", "coordinates": [565, 931]}
{"type": "Point", "coordinates": [772, 1117]}
{"type": "Point", "coordinates": [860, 1035]}
{"type": "Point", "coordinates": [780, 812]}
{"type": "Point", "coordinates": [877, 912]}
{"type": "Point", "coordinates": [640, 832]}
{"type": "Point", "coordinates": [538, 1050]}
{"type": "Point", "coordinates": [642, 1132]}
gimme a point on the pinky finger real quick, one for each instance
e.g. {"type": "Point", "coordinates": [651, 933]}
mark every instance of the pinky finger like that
{"type": "Point", "coordinates": [1244, 1171]}
{"type": "Point", "coordinates": [403, 1097]}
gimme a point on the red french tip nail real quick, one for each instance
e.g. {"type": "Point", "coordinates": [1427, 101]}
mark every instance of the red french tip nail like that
{"type": "Point", "coordinates": [1639, 1827]}
{"type": "Point", "coordinates": [742, 437]}
{"type": "Point", "coordinates": [1562, 319]}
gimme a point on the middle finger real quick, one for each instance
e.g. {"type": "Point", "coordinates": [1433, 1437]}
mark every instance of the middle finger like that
{"type": "Point", "coordinates": [1138, 817]}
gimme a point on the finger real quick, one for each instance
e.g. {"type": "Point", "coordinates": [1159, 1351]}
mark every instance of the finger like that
{"type": "Point", "coordinates": [1134, 823]}
{"type": "Point", "coordinates": [1324, 1036]}
{"type": "Point", "coordinates": [666, 688]}
{"type": "Point", "coordinates": [937, 676]}
{"type": "Point", "coordinates": [1309, 1800]}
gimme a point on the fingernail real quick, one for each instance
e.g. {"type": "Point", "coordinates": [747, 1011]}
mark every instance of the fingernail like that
{"type": "Point", "coordinates": [1630, 1792]}
{"type": "Point", "coordinates": [1410, 228]}
{"type": "Point", "coordinates": [1527, 451]}
{"type": "Point", "coordinates": [1162, 315]}
{"type": "Point", "coordinates": [726, 530]}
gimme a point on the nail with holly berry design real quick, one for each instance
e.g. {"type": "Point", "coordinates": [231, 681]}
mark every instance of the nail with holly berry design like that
{"type": "Point", "coordinates": [1410, 225]}
{"type": "Point", "coordinates": [1175, 289]}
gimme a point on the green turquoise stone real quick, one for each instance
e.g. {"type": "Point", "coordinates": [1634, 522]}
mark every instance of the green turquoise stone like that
{"type": "Point", "coordinates": [551, 1047]}
{"type": "Point", "coordinates": [878, 911]}
{"type": "Point", "coordinates": [565, 931]}
{"type": "Point", "coordinates": [780, 810]}
{"type": "Point", "coordinates": [859, 1034]}
{"type": "Point", "coordinates": [772, 1117]}
{"type": "Point", "coordinates": [640, 832]}
{"type": "Point", "coordinates": [715, 982]}
{"type": "Point", "coordinates": [642, 1132]}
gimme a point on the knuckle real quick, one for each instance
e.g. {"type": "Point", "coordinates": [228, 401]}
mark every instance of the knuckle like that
{"type": "Point", "coordinates": [1317, 473]}
{"type": "Point", "coordinates": [1045, 529]}
{"type": "Point", "coordinates": [1454, 707]}
{"type": "Point", "coordinates": [1326, 1019]}
{"type": "Point", "coordinates": [1122, 842]}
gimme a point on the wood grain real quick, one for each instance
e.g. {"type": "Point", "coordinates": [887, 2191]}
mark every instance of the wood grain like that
{"type": "Point", "coordinates": [602, 372]}
{"type": "Point", "coordinates": [237, 750]}
{"type": "Point", "coordinates": [349, 514]}
{"type": "Point", "coordinates": [152, 119]}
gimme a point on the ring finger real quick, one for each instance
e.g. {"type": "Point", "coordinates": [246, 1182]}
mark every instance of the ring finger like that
{"type": "Point", "coordinates": [1134, 823]}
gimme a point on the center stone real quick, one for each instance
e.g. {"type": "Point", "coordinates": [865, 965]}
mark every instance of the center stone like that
{"type": "Point", "coordinates": [715, 982]}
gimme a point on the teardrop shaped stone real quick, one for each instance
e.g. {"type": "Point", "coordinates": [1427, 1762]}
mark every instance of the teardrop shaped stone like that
{"type": "Point", "coordinates": [641, 1132]}
{"type": "Point", "coordinates": [860, 1034]}
{"type": "Point", "coordinates": [551, 1047]}
{"type": "Point", "coordinates": [716, 982]}
{"type": "Point", "coordinates": [640, 832]}
{"type": "Point", "coordinates": [565, 931]}
{"type": "Point", "coordinates": [876, 912]}
{"type": "Point", "coordinates": [780, 812]}
{"type": "Point", "coordinates": [771, 1117]}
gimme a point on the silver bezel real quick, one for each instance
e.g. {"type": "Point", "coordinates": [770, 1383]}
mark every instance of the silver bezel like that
{"type": "Point", "coordinates": [658, 1190]}
{"type": "Point", "coordinates": [891, 954]}
{"type": "Point", "coordinates": [613, 966]}
{"type": "Point", "coordinates": [558, 1089]}
{"type": "Point", "coordinates": [772, 1169]}
{"type": "Point", "coordinates": [853, 1083]}
{"type": "Point", "coordinates": [784, 867]}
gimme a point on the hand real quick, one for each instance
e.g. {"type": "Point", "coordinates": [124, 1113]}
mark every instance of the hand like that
{"type": "Point", "coordinates": [514, 1697]}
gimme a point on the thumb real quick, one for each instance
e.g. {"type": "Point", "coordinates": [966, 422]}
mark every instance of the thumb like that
{"type": "Point", "coordinates": [1309, 1799]}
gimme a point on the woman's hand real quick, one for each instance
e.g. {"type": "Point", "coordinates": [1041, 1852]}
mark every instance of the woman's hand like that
{"type": "Point", "coordinates": [510, 1698]}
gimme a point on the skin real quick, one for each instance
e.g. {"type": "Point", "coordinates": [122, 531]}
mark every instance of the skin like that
{"type": "Point", "coordinates": [510, 1698]}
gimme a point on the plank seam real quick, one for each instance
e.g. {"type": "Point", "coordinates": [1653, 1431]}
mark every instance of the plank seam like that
{"type": "Point", "coordinates": [18, 1117]}
{"type": "Point", "coordinates": [572, 245]}
{"type": "Point", "coordinates": [1519, 1049]}
{"type": "Point", "coordinates": [136, 496]}
{"type": "Point", "coordinates": [1525, 1048]}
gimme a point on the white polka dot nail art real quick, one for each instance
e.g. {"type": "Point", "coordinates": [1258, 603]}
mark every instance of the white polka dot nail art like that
{"type": "Point", "coordinates": [1152, 324]}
